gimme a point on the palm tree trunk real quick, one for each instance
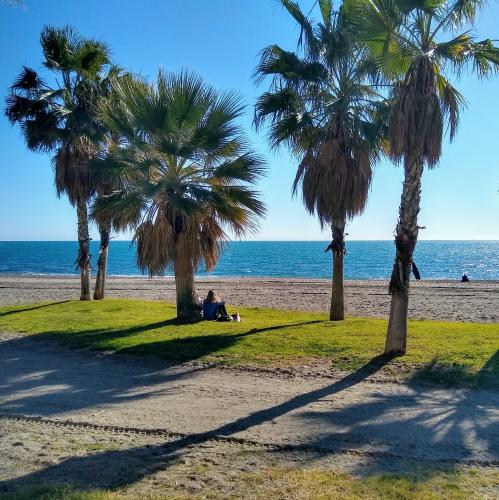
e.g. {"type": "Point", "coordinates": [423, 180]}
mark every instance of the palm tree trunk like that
{"type": "Point", "coordinates": [405, 243]}
{"type": "Point", "coordinates": [100, 279]}
{"type": "Point", "coordinates": [337, 311]}
{"type": "Point", "coordinates": [187, 297]}
{"type": "Point", "coordinates": [83, 260]}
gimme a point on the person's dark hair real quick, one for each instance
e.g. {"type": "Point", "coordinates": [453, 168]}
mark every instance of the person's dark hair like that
{"type": "Point", "coordinates": [212, 297]}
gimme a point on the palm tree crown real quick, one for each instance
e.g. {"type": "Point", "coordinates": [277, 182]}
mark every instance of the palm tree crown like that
{"type": "Point", "coordinates": [419, 44]}
{"type": "Point", "coordinates": [322, 104]}
{"type": "Point", "coordinates": [62, 118]}
{"type": "Point", "coordinates": [185, 169]}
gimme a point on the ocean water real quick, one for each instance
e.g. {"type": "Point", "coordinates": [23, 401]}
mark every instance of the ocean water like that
{"type": "Point", "coordinates": [285, 259]}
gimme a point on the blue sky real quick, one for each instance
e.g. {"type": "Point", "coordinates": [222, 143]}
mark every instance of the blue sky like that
{"type": "Point", "coordinates": [220, 40]}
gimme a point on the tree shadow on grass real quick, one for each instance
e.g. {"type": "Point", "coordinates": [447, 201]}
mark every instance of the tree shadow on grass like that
{"type": "Point", "coordinates": [177, 349]}
{"type": "Point", "coordinates": [456, 375]}
{"type": "Point", "coordinates": [113, 469]}
{"type": "Point", "coordinates": [43, 377]}
{"type": "Point", "coordinates": [32, 308]}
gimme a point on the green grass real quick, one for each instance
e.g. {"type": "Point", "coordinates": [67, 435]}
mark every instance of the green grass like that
{"type": "Point", "coordinates": [452, 353]}
{"type": "Point", "coordinates": [312, 483]}
{"type": "Point", "coordinates": [283, 483]}
{"type": "Point", "coordinates": [53, 492]}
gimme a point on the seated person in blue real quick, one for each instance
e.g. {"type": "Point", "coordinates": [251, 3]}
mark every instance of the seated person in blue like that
{"type": "Point", "coordinates": [214, 307]}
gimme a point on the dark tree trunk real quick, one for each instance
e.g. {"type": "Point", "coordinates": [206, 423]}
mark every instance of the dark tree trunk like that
{"type": "Point", "coordinates": [100, 279]}
{"type": "Point", "coordinates": [337, 311]}
{"type": "Point", "coordinates": [405, 243]}
{"type": "Point", "coordinates": [83, 260]}
{"type": "Point", "coordinates": [187, 297]}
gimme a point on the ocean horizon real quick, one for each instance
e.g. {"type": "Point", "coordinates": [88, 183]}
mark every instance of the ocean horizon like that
{"type": "Point", "coordinates": [366, 259]}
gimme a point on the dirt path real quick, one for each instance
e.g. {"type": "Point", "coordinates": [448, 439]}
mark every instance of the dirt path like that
{"type": "Point", "coordinates": [440, 300]}
{"type": "Point", "coordinates": [352, 413]}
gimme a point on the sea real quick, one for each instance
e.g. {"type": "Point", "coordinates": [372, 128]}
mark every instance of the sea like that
{"type": "Point", "coordinates": [277, 259]}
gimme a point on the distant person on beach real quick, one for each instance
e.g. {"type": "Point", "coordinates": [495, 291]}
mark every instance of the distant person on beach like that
{"type": "Point", "coordinates": [464, 278]}
{"type": "Point", "coordinates": [214, 309]}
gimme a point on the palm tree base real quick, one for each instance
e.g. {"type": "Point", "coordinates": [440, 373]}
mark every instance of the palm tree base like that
{"type": "Point", "coordinates": [336, 317]}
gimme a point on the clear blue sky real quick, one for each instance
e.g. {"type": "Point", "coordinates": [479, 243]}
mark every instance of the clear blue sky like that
{"type": "Point", "coordinates": [220, 39]}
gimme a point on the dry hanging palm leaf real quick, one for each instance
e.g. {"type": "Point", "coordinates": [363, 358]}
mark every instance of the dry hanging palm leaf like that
{"type": "Point", "coordinates": [416, 122]}
{"type": "Point", "coordinates": [72, 175]}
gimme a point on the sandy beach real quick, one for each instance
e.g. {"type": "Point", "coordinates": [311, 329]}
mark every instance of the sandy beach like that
{"type": "Point", "coordinates": [437, 300]}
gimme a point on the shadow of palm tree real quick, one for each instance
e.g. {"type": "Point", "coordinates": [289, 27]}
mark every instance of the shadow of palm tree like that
{"type": "Point", "coordinates": [32, 308]}
{"type": "Point", "coordinates": [435, 373]}
{"type": "Point", "coordinates": [394, 423]}
{"type": "Point", "coordinates": [447, 427]}
{"type": "Point", "coordinates": [20, 377]}
{"type": "Point", "coordinates": [179, 349]}
{"type": "Point", "coordinates": [488, 375]}
{"type": "Point", "coordinates": [443, 430]}
{"type": "Point", "coordinates": [136, 463]}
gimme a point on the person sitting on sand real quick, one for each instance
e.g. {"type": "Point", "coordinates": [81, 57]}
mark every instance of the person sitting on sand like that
{"type": "Point", "coordinates": [464, 278]}
{"type": "Point", "coordinates": [214, 309]}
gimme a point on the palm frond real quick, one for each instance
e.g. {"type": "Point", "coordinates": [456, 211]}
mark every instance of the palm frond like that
{"type": "Point", "coordinates": [28, 80]}
{"type": "Point", "coordinates": [307, 36]}
{"type": "Point", "coordinates": [287, 66]}
{"type": "Point", "coordinates": [185, 161]}
{"type": "Point", "coordinates": [326, 7]}
{"type": "Point", "coordinates": [90, 57]}
{"type": "Point", "coordinates": [484, 57]}
{"type": "Point", "coordinates": [321, 103]}
{"type": "Point", "coordinates": [59, 45]}
{"type": "Point", "coordinates": [459, 13]}
{"type": "Point", "coordinates": [452, 103]}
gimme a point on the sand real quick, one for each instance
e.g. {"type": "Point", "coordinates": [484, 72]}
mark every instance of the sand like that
{"type": "Point", "coordinates": [198, 404]}
{"type": "Point", "coordinates": [437, 300]}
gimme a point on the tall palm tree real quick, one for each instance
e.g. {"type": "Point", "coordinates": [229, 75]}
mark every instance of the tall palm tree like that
{"type": "Point", "coordinates": [103, 187]}
{"type": "Point", "coordinates": [419, 45]}
{"type": "Point", "coordinates": [61, 119]}
{"type": "Point", "coordinates": [322, 105]}
{"type": "Point", "coordinates": [102, 184]}
{"type": "Point", "coordinates": [186, 175]}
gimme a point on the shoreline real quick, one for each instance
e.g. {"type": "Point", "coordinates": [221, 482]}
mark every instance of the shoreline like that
{"type": "Point", "coordinates": [203, 277]}
{"type": "Point", "coordinates": [476, 301]}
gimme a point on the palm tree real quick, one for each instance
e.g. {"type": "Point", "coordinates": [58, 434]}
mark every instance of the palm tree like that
{"type": "Point", "coordinates": [103, 187]}
{"type": "Point", "coordinates": [419, 45]}
{"type": "Point", "coordinates": [102, 184]}
{"type": "Point", "coordinates": [185, 171]}
{"type": "Point", "coordinates": [322, 105]}
{"type": "Point", "coordinates": [61, 120]}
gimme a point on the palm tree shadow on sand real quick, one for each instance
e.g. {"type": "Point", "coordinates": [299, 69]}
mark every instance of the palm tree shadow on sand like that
{"type": "Point", "coordinates": [136, 463]}
{"type": "Point", "coordinates": [20, 377]}
{"type": "Point", "coordinates": [440, 434]}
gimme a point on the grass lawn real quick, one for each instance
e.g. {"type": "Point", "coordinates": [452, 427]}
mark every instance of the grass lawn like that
{"type": "Point", "coordinates": [452, 353]}
{"type": "Point", "coordinates": [283, 483]}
